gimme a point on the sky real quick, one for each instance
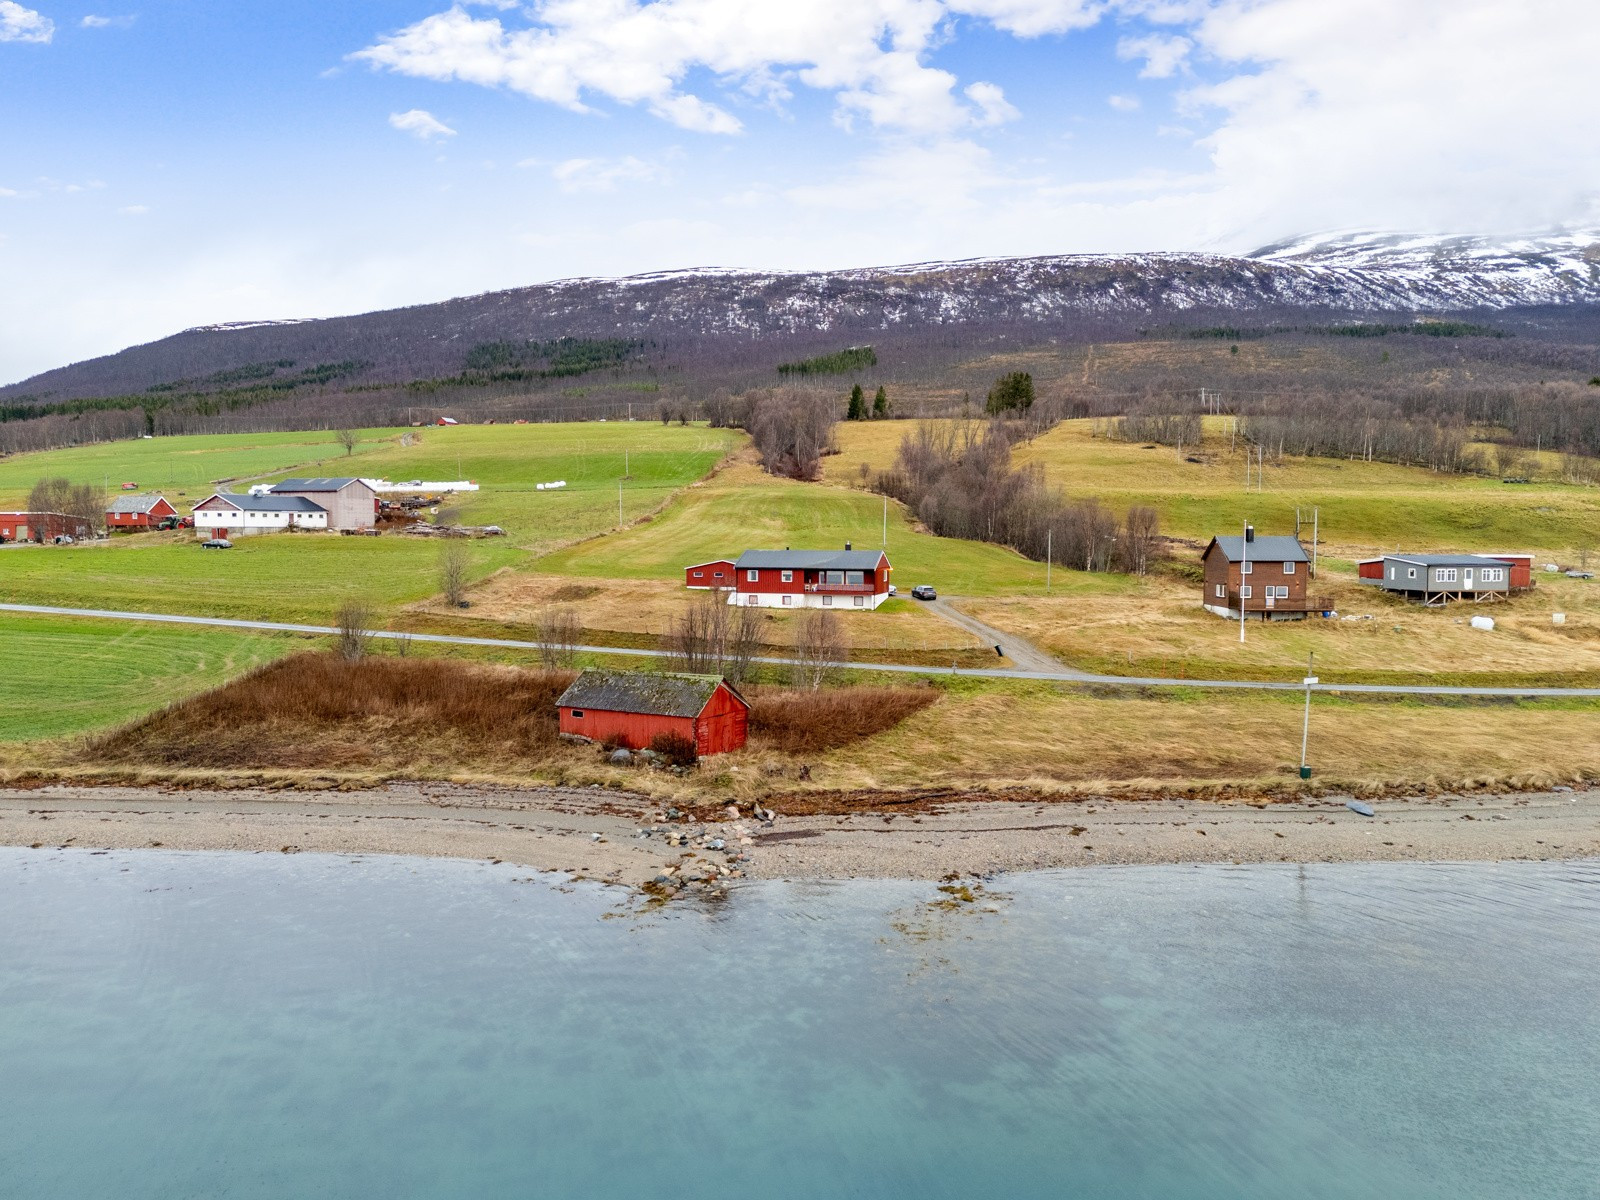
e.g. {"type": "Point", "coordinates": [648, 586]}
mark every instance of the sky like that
{"type": "Point", "coordinates": [172, 163]}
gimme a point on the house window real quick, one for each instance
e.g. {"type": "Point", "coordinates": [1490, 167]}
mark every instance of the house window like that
{"type": "Point", "coordinates": [861, 601]}
{"type": "Point", "coordinates": [827, 602]}
{"type": "Point", "coordinates": [1246, 568]}
{"type": "Point", "coordinates": [787, 576]}
{"type": "Point", "coordinates": [1288, 568]}
{"type": "Point", "coordinates": [1447, 575]}
{"type": "Point", "coordinates": [754, 600]}
{"type": "Point", "coordinates": [1244, 592]}
{"type": "Point", "coordinates": [753, 576]}
{"type": "Point", "coordinates": [788, 599]}
{"type": "Point", "coordinates": [1492, 574]}
{"type": "Point", "coordinates": [577, 712]}
{"type": "Point", "coordinates": [834, 577]}
{"type": "Point", "coordinates": [854, 577]}
{"type": "Point", "coordinates": [1222, 592]}
{"type": "Point", "coordinates": [699, 574]}
{"type": "Point", "coordinates": [1391, 572]}
{"type": "Point", "coordinates": [716, 574]}
{"type": "Point", "coordinates": [1283, 592]}
{"type": "Point", "coordinates": [1411, 572]}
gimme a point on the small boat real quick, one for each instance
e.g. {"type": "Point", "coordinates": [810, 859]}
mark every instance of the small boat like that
{"type": "Point", "coordinates": [1360, 806]}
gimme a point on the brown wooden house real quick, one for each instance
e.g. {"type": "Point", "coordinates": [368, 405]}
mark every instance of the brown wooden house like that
{"type": "Point", "coordinates": [1268, 578]}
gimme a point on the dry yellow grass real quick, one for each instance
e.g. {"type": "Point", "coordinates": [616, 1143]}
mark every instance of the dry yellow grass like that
{"type": "Point", "coordinates": [648, 607]}
{"type": "Point", "coordinates": [1159, 629]}
{"type": "Point", "coordinates": [1048, 738]}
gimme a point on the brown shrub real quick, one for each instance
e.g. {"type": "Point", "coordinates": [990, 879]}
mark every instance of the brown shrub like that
{"type": "Point", "coordinates": [676, 749]}
{"type": "Point", "coordinates": [799, 722]}
{"type": "Point", "coordinates": [317, 710]}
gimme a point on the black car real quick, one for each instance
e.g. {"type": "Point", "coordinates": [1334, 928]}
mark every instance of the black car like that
{"type": "Point", "coordinates": [924, 591]}
{"type": "Point", "coordinates": [216, 544]}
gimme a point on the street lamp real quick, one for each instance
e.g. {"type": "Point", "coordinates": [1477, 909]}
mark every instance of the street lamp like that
{"type": "Point", "coordinates": [1305, 725]}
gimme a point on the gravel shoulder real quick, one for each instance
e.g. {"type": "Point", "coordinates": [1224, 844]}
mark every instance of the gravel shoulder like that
{"type": "Point", "coordinates": [596, 834]}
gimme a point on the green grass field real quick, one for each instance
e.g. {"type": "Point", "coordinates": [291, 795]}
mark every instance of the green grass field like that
{"type": "Point", "coordinates": [1363, 506]}
{"type": "Point", "coordinates": [297, 577]}
{"type": "Point", "coordinates": [65, 675]}
{"type": "Point", "coordinates": [744, 509]}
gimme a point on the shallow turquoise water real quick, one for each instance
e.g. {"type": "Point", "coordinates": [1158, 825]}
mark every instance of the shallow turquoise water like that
{"type": "Point", "coordinates": [177, 1025]}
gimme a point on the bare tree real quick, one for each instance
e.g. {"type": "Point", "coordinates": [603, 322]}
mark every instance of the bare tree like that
{"type": "Point", "coordinates": [1141, 530]}
{"type": "Point", "coordinates": [821, 647]}
{"type": "Point", "coordinates": [792, 429]}
{"type": "Point", "coordinates": [698, 638]}
{"type": "Point", "coordinates": [455, 561]}
{"type": "Point", "coordinates": [744, 643]}
{"type": "Point", "coordinates": [560, 635]}
{"type": "Point", "coordinates": [84, 501]}
{"type": "Point", "coordinates": [348, 439]}
{"type": "Point", "coordinates": [354, 619]}
{"type": "Point", "coordinates": [1509, 460]}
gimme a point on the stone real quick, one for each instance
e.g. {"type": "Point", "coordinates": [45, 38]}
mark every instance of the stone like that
{"type": "Point", "coordinates": [620, 757]}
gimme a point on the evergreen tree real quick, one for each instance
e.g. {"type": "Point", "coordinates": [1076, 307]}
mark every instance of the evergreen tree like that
{"type": "Point", "coordinates": [880, 404]}
{"type": "Point", "coordinates": [1013, 391]}
{"type": "Point", "coordinates": [858, 405]}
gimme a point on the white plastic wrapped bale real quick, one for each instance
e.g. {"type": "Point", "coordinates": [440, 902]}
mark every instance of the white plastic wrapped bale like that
{"type": "Point", "coordinates": [1483, 622]}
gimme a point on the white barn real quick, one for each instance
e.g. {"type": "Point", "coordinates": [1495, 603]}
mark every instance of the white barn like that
{"type": "Point", "coordinates": [226, 515]}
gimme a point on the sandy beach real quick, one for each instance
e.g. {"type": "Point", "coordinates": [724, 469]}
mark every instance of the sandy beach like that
{"type": "Point", "coordinates": [622, 838]}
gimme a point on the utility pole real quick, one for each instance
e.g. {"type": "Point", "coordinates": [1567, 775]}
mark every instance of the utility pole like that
{"type": "Point", "coordinates": [619, 504]}
{"type": "Point", "coordinates": [1049, 556]}
{"type": "Point", "coordinates": [1314, 543]}
{"type": "Point", "coordinates": [1305, 725]}
{"type": "Point", "coordinates": [886, 522]}
{"type": "Point", "coordinates": [1244, 561]}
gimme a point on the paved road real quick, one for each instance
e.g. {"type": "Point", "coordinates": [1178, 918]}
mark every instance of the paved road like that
{"type": "Point", "coordinates": [1391, 689]}
{"type": "Point", "coordinates": [1024, 654]}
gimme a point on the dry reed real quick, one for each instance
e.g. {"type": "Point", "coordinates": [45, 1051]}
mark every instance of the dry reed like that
{"type": "Point", "coordinates": [805, 721]}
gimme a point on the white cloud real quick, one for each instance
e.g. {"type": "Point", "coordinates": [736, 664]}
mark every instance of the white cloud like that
{"type": "Point", "coordinates": [18, 24]}
{"type": "Point", "coordinates": [8, 193]}
{"type": "Point", "coordinates": [1124, 104]}
{"type": "Point", "coordinates": [1163, 54]}
{"type": "Point", "coordinates": [603, 174]}
{"type": "Point", "coordinates": [870, 54]}
{"type": "Point", "coordinates": [134, 210]}
{"type": "Point", "coordinates": [421, 124]}
{"type": "Point", "coordinates": [98, 22]}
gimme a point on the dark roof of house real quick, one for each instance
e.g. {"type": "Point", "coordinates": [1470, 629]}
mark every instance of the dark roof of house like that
{"type": "Point", "coordinates": [331, 483]}
{"type": "Point", "coordinates": [1266, 548]}
{"type": "Point", "coordinates": [1448, 560]}
{"type": "Point", "coordinates": [135, 504]}
{"type": "Point", "coordinates": [264, 503]}
{"type": "Point", "coordinates": [660, 695]}
{"type": "Point", "coordinates": [811, 560]}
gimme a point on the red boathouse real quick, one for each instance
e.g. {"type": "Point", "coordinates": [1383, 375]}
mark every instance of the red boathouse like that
{"type": "Point", "coordinates": [632, 708]}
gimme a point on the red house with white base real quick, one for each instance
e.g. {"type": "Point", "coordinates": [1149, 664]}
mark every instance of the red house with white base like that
{"type": "Point", "coordinates": [631, 708]}
{"type": "Point", "coordinates": [845, 579]}
{"type": "Point", "coordinates": [138, 512]}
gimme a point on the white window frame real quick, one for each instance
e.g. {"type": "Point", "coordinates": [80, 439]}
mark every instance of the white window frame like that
{"type": "Point", "coordinates": [787, 576]}
{"type": "Point", "coordinates": [751, 575]}
{"type": "Point", "coordinates": [1245, 592]}
{"type": "Point", "coordinates": [1411, 572]}
{"type": "Point", "coordinates": [699, 574]}
{"type": "Point", "coordinates": [1446, 575]}
{"type": "Point", "coordinates": [1247, 568]}
{"type": "Point", "coordinates": [1283, 592]}
{"type": "Point", "coordinates": [861, 601]}
{"type": "Point", "coordinates": [827, 602]}
{"type": "Point", "coordinates": [1222, 592]}
{"type": "Point", "coordinates": [1288, 567]}
{"type": "Point", "coordinates": [787, 599]}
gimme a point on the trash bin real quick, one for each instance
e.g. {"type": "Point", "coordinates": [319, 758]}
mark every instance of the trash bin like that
{"type": "Point", "coordinates": [1305, 772]}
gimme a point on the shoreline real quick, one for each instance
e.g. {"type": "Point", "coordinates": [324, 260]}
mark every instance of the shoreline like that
{"type": "Point", "coordinates": [594, 834]}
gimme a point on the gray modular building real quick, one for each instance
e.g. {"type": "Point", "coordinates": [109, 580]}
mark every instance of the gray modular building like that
{"type": "Point", "coordinates": [1440, 578]}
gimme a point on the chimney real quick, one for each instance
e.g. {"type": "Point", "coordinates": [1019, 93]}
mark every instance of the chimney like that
{"type": "Point", "coordinates": [1249, 533]}
{"type": "Point", "coordinates": [847, 545]}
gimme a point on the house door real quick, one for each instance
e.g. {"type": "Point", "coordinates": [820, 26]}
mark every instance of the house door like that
{"type": "Point", "coordinates": [1272, 599]}
{"type": "Point", "coordinates": [1466, 579]}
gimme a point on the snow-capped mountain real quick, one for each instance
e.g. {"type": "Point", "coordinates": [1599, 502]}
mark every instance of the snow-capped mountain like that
{"type": "Point", "coordinates": [1350, 273]}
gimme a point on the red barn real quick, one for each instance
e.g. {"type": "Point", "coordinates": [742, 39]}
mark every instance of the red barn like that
{"type": "Point", "coordinates": [42, 527]}
{"type": "Point", "coordinates": [138, 512]}
{"type": "Point", "coordinates": [632, 708]}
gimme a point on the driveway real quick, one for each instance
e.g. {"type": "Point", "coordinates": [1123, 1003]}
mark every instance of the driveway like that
{"type": "Point", "coordinates": [1025, 655]}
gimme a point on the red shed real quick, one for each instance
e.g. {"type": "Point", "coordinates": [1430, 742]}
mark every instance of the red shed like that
{"type": "Point", "coordinates": [632, 707]}
{"type": "Point", "coordinates": [717, 575]}
{"type": "Point", "coordinates": [1521, 569]}
{"type": "Point", "coordinates": [1370, 568]}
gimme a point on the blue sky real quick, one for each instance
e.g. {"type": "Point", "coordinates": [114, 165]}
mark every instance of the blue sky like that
{"type": "Point", "coordinates": [170, 163]}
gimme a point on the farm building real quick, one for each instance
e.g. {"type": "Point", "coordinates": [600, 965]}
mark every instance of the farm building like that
{"type": "Point", "coordinates": [1262, 577]}
{"type": "Point", "coordinates": [42, 527]}
{"type": "Point", "coordinates": [350, 503]}
{"type": "Point", "coordinates": [226, 515]}
{"type": "Point", "coordinates": [631, 708]}
{"type": "Point", "coordinates": [847, 578]}
{"type": "Point", "coordinates": [1439, 578]}
{"type": "Point", "coordinates": [139, 512]}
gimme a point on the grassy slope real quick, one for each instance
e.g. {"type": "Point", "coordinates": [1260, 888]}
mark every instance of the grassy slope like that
{"type": "Point", "coordinates": [1365, 507]}
{"type": "Point", "coordinates": [742, 508]}
{"type": "Point", "coordinates": [300, 577]}
{"type": "Point", "coordinates": [66, 675]}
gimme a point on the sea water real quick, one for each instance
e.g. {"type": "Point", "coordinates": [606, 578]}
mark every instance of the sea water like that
{"type": "Point", "coordinates": [199, 1025]}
